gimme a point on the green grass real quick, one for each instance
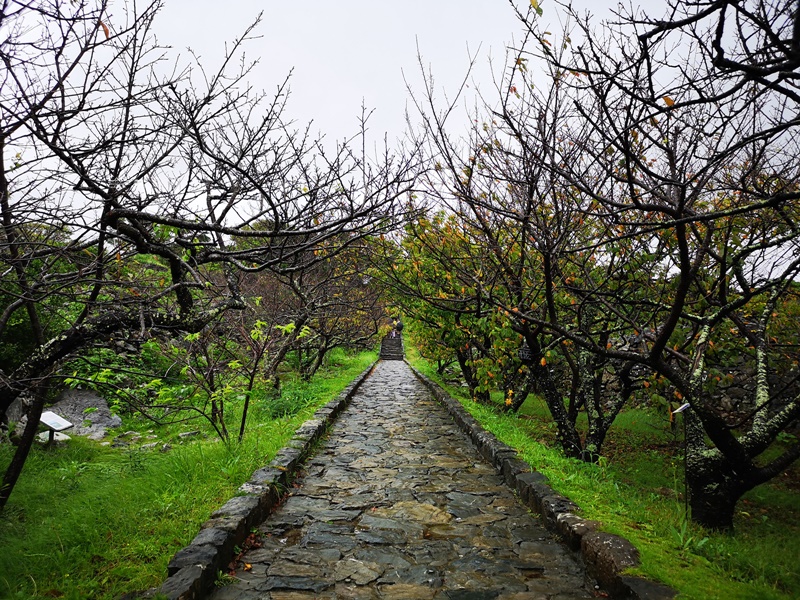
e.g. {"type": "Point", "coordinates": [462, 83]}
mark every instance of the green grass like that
{"type": "Point", "coordinates": [637, 491]}
{"type": "Point", "coordinates": [90, 521]}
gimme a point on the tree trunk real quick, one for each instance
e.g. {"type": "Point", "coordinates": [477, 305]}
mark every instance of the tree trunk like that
{"type": "Point", "coordinates": [602, 409]}
{"type": "Point", "coordinates": [713, 490]}
{"type": "Point", "coordinates": [712, 485]}
{"type": "Point", "coordinates": [593, 445]}
{"type": "Point", "coordinates": [567, 435]}
{"type": "Point", "coordinates": [321, 352]}
{"type": "Point", "coordinates": [469, 378]}
{"type": "Point", "coordinates": [521, 394]}
{"type": "Point", "coordinates": [14, 469]}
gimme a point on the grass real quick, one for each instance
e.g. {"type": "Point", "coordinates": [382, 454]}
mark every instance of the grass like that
{"type": "Point", "coordinates": [637, 491]}
{"type": "Point", "coordinates": [91, 521]}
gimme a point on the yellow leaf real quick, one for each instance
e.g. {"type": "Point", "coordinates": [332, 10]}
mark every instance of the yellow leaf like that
{"type": "Point", "coordinates": [668, 101]}
{"type": "Point", "coordinates": [544, 362]}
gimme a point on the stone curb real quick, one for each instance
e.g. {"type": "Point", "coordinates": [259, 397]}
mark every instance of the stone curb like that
{"type": "Point", "coordinates": [605, 555]}
{"type": "Point", "coordinates": [193, 570]}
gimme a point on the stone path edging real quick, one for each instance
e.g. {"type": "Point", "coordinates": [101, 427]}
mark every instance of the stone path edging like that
{"type": "Point", "coordinates": [193, 570]}
{"type": "Point", "coordinates": [605, 555]}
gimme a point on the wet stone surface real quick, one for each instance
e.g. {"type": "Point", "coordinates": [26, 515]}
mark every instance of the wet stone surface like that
{"type": "Point", "coordinates": [398, 504]}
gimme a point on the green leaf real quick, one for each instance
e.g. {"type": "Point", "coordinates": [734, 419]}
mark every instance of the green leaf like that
{"type": "Point", "coordinates": [286, 329]}
{"type": "Point", "coordinates": [536, 7]}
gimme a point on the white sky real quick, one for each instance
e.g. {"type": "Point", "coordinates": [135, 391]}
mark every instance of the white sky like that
{"type": "Point", "coordinates": [353, 51]}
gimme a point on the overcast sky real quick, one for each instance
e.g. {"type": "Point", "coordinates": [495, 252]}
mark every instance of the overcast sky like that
{"type": "Point", "coordinates": [352, 51]}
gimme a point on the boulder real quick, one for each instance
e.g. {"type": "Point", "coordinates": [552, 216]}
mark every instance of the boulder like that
{"type": "Point", "coordinates": [16, 412]}
{"type": "Point", "coordinates": [88, 412]}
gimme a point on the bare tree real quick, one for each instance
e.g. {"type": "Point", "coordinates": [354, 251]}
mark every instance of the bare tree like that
{"type": "Point", "coordinates": [127, 179]}
{"type": "Point", "coordinates": [688, 135]}
{"type": "Point", "coordinates": [630, 202]}
{"type": "Point", "coordinates": [344, 303]}
{"type": "Point", "coordinates": [520, 222]}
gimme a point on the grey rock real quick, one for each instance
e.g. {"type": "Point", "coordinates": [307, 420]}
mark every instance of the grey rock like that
{"type": "Point", "coordinates": [328, 536]}
{"type": "Point", "coordinates": [204, 556]}
{"type": "Point", "coordinates": [18, 409]}
{"type": "Point", "coordinates": [238, 506]}
{"type": "Point", "coordinates": [287, 568]}
{"type": "Point", "coordinates": [642, 589]}
{"type": "Point", "coordinates": [294, 583]}
{"type": "Point", "coordinates": [387, 556]}
{"type": "Point", "coordinates": [381, 537]}
{"type": "Point", "coordinates": [335, 515]}
{"type": "Point", "coordinates": [472, 594]}
{"type": "Point", "coordinates": [88, 412]}
{"type": "Point", "coordinates": [311, 557]}
{"type": "Point", "coordinates": [357, 571]}
{"type": "Point", "coordinates": [188, 582]}
{"type": "Point", "coordinates": [44, 437]}
{"type": "Point", "coordinates": [211, 536]}
{"type": "Point", "coordinates": [606, 556]}
{"type": "Point", "coordinates": [573, 528]}
{"type": "Point", "coordinates": [416, 575]}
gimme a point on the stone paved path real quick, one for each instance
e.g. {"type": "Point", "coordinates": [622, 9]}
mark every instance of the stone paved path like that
{"type": "Point", "coordinates": [398, 504]}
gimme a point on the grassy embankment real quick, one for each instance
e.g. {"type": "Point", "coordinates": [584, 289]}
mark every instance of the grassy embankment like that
{"type": "Point", "coordinates": [637, 492]}
{"type": "Point", "coordinates": [91, 521]}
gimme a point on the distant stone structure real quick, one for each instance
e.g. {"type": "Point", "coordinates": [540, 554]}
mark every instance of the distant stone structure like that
{"type": "Point", "coordinates": [392, 348]}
